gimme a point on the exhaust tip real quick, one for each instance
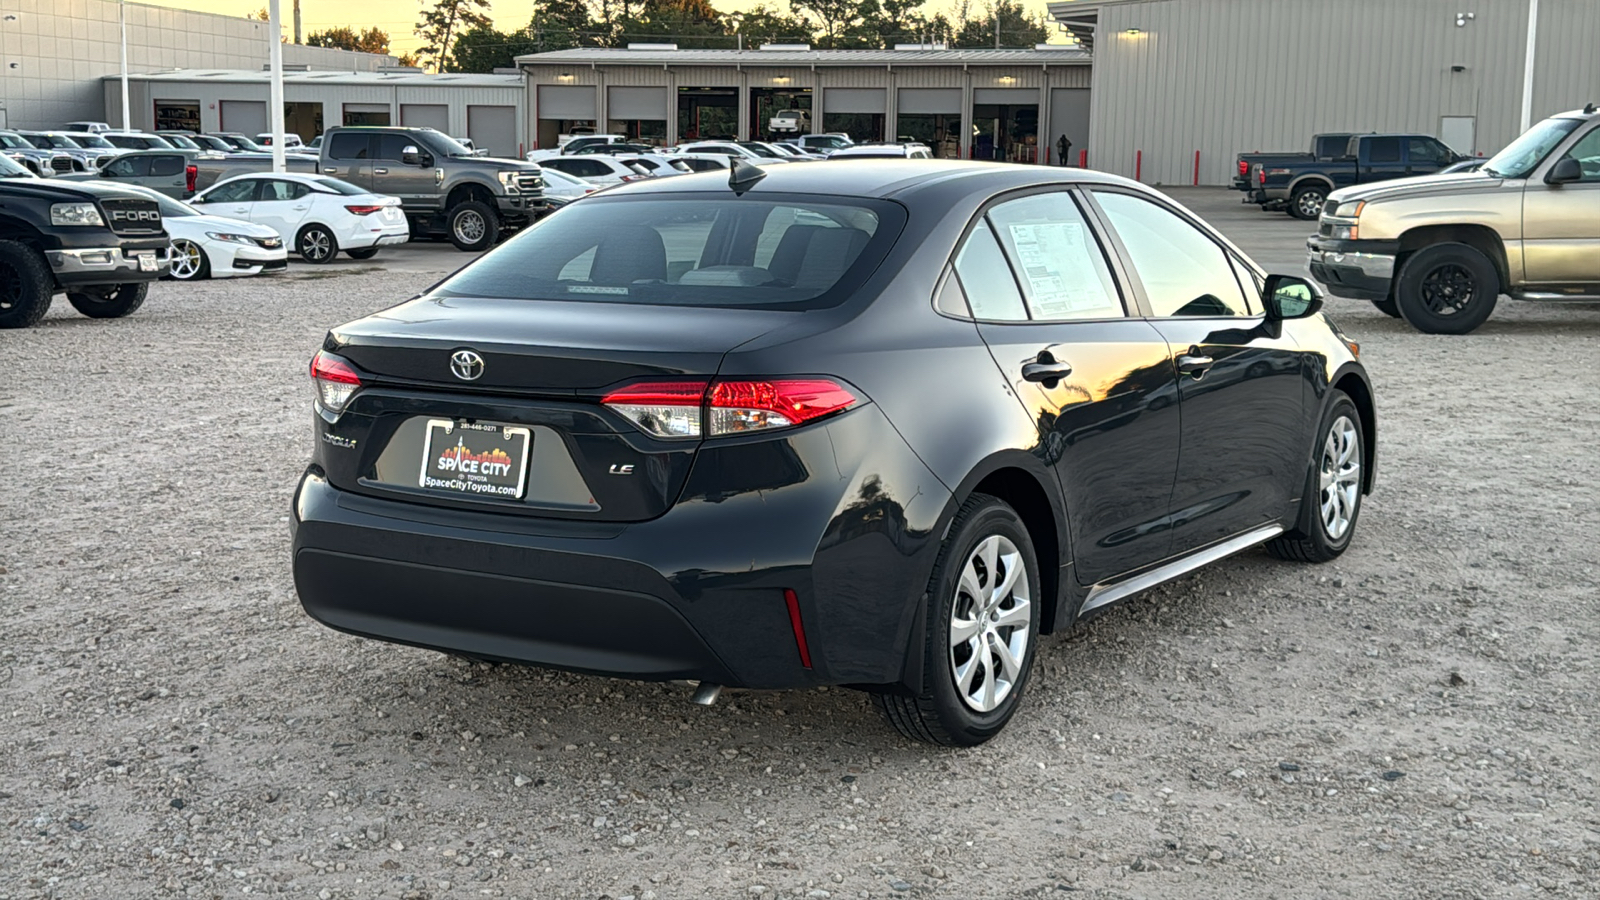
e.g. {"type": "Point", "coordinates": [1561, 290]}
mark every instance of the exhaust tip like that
{"type": "Point", "coordinates": [706, 694]}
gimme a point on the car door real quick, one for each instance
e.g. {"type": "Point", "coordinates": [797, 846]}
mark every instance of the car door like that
{"type": "Point", "coordinates": [1561, 222]}
{"type": "Point", "coordinates": [413, 184]}
{"type": "Point", "coordinates": [1244, 448]}
{"type": "Point", "coordinates": [1381, 159]}
{"type": "Point", "coordinates": [1093, 374]}
{"type": "Point", "coordinates": [349, 158]}
{"type": "Point", "coordinates": [167, 175]}
{"type": "Point", "coordinates": [232, 199]}
{"type": "Point", "coordinates": [281, 205]}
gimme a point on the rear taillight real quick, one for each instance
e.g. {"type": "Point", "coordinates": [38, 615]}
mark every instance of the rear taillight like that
{"type": "Point", "coordinates": [335, 380]}
{"type": "Point", "coordinates": [685, 409]}
{"type": "Point", "coordinates": [364, 210]}
{"type": "Point", "coordinates": [1261, 175]}
{"type": "Point", "coordinates": [190, 174]}
{"type": "Point", "coordinates": [1244, 169]}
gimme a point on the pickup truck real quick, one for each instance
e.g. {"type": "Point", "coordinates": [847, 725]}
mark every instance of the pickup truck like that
{"type": "Point", "coordinates": [442, 186]}
{"type": "Point", "coordinates": [1439, 251]}
{"type": "Point", "coordinates": [1301, 183]}
{"type": "Point", "coordinates": [1324, 148]}
{"type": "Point", "coordinates": [172, 172]}
{"type": "Point", "coordinates": [100, 245]}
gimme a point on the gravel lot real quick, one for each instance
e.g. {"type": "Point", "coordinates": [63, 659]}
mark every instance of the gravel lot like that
{"type": "Point", "coordinates": [1415, 720]}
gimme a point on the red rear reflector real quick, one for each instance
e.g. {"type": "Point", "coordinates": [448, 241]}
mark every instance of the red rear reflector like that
{"type": "Point", "coordinates": [799, 630]}
{"type": "Point", "coordinates": [190, 173]}
{"type": "Point", "coordinates": [363, 210]}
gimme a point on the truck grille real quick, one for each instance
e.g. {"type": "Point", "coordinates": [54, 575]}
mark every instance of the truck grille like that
{"type": "Point", "coordinates": [61, 164]}
{"type": "Point", "coordinates": [530, 184]}
{"type": "Point", "coordinates": [132, 216]}
{"type": "Point", "coordinates": [101, 162]}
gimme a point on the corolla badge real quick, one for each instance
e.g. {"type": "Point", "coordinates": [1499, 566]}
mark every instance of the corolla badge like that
{"type": "Point", "coordinates": [466, 365]}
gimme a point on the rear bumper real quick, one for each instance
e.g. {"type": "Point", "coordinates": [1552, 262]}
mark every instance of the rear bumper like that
{"type": "Point", "coordinates": [1357, 270]}
{"type": "Point", "coordinates": [697, 593]}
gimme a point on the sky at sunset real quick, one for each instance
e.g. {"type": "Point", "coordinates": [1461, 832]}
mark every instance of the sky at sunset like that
{"type": "Point", "coordinates": [399, 17]}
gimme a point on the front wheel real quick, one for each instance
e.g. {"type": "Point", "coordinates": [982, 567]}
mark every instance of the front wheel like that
{"type": "Point", "coordinates": [109, 301]}
{"type": "Point", "coordinates": [189, 262]}
{"type": "Point", "coordinates": [1447, 289]}
{"type": "Point", "coordinates": [26, 285]}
{"type": "Point", "coordinates": [316, 244]}
{"type": "Point", "coordinates": [982, 627]}
{"type": "Point", "coordinates": [1308, 201]}
{"type": "Point", "coordinates": [1332, 499]}
{"type": "Point", "coordinates": [473, 226]}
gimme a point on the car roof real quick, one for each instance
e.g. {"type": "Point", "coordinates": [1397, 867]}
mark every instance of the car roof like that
{"type": "Point", "coordinates": [887, 178]}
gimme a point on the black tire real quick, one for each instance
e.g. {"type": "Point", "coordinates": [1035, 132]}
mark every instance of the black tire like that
{"type": "Point", "coordinates": [940, 714]}
{"type": "Point", "coordinates": [364, 253]}
{"type": "Point", "coordinates": [1307, 201]}
{"type": "Point", "coordinates": [202, 268]}
{"type": "Point", "coordinates": [316, 244]}
{"type": "Point", "coordinates": [1312, 539]}
{"type": "Point", "coordinates": [1387, 306]}
{"type": "Point", "coordinates": [473, 225]}
{"type": "Point", "coordinates": [26, 285]}
{"type": "Point", "coordinates": [109, 301]}
{"type": "Point", "coordinates": [1447, 289]}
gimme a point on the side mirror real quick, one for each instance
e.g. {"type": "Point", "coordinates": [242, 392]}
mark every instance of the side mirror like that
{"type": "Point", "coordinates": [1290, 297]}
{"type": "Point", "coordinates": [410, 155]}
{"type": "Point", "coordinates": [1566, 171]}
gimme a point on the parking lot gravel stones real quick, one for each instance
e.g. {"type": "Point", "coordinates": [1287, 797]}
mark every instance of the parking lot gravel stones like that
{"type": "Point", "coordinates": [1415, 720]}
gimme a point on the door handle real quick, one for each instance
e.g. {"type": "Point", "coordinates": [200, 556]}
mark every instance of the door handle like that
{"type": "Point", "coordinates": [380, 171]}
{"type": "Point", "coordinates": [240, 209]}
{"type": "Point", "coordinates": [1045, 369]}
{"type": "Point", "coordinates": [298, 208]}
{"type": "Point", "coordinates": [331, 170]}
{"type": "Point", "coordinates": [1192, 363]}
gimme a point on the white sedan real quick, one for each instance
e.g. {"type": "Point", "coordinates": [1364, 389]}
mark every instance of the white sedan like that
{"type": "Point", "coordinates": [559, 186]}
{"type": "Point", "coordinates": [214, 247]}
{"type": "Point", "coordinates": [316, 215]}
{"type": "Point", "coordinates": [596, 169]}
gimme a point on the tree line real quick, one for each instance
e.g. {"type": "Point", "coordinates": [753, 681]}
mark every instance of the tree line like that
{"type": "Point", "coordinates": [458, 35]}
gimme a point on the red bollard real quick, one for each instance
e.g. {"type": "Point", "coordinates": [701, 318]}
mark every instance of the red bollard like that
{"type": "Point", "coordinates": [1197, 168]}
{"type": "Point", "coordinates": [1083, 159]}
{"type": "Point", "coordinates": [1138, 165]}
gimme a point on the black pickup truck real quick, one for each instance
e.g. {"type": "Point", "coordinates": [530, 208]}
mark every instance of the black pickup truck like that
{"type": "Point", "coordinates": [100, 245]}
{"type": "Point", "coordinates": [1301, 182]}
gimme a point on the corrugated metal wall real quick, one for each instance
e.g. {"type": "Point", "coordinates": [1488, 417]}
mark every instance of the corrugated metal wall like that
{"type": "Point", "coordinates": [1229, 76]}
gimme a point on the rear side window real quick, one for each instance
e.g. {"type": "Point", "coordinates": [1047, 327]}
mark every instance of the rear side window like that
{"type": "Point", "coordinates": [1063, 272]}
{"type": "Point", "coordinates": [1383, 150]}
{"type": "Point", "coordinates": [166, 165]}
{"type": "Point", "coordinates": [691, 250]}
{"type": "Point", "coordinates": [348, 145]}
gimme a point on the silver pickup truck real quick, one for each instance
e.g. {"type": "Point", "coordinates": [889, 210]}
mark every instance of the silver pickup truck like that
{"type": "Point", "coordinates": [443, 187]}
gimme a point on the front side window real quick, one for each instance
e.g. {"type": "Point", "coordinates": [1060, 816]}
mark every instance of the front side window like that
{"type": "Point", "coordinates": [1062, 270]}
{"type": "Point", "coordinates": [689, 250]}
{"type": "Point", "coordinates": [1587, 152]}
{"type": "Point", "coordinates": [129, 167]}
{"type": "Point", "coordinates": [1425, 152]}
{"type": "Point", "coordinates": [1185, 272]}
{"type": "Point", "coordinates": [240, 191]}
{"type": "Point", "coordinates": [393, 146]}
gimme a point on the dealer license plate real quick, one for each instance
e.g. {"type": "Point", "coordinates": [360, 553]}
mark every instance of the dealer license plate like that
{"type": "Point", "coordinates": [476, 459]}
{"type": "Point", "coordinates": [147, 262]}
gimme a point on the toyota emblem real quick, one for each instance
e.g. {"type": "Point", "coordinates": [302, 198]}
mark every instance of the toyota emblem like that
{"type": "Point", "coordinates": [466, 365]}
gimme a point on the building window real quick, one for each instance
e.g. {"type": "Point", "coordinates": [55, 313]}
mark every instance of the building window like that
{"type": "Point", "coordinates": [178, 115]}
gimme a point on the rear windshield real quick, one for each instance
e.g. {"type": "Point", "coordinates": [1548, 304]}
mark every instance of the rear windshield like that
{"type": "Point", "coordinates": [691, 250]}
{"type": "Point", "coordinates": [339, 186]}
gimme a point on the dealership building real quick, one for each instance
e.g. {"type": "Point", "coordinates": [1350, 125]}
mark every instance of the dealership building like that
{"type": "Point", "coordinates": [1163, 90]}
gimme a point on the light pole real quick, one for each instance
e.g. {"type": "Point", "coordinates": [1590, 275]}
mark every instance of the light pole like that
{"type": "Point", "coordinates": [1527, 72]}
{"type": "Point", "coordinates": [275, 94]}
{"type": "Point", "coordinates": [122, 17]}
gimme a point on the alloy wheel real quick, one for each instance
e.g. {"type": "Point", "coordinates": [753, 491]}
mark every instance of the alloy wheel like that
{"type": "Point", "coordinates": [1311, 204]}
{"type": "Point", "coordinates": [185, 256]}
{"type": "Point", "coordinates": [315, 245]}
{"type": "Point", "coordinates": [1340, 477]}
{"type": "Point", "coordinates": [990, 624]}
{"type": "Point", "coordinates": [469, 226]}
{"type": "Point", "coordinates": [1448, 290]}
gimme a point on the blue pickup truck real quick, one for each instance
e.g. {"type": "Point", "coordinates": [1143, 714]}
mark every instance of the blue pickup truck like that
{"type": "Point", "coordinates": [1301, 182]}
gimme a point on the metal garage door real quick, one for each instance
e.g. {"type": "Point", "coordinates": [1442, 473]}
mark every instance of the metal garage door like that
{"type": "Point", "coordinates": [852, 100]}
{"type": "Point", "coordinates": [494, 128]}
{"type": "Point", "coordinates": [637, 103]}
{"type": "Point", "coordinates": [248, 117]}
{"type": "Point", "coordinates": [930, 101]}
{"type": "Point", "coordinates": [1004, 96]}
{"type": "Point", "coordinates": [426, 115]}
{"type": "Point", "coordinates": [566, 101]}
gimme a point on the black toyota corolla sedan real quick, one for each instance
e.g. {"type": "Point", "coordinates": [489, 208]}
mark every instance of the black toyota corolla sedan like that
{"type": "Point", "coordinates": [881, 424]}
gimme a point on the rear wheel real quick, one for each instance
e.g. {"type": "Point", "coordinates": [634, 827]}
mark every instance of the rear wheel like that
{"type": "Point", "coordinates": [109, 301]}
{"type": "Point", "coordinates": [1447, 289]}
{"type": "Point", "coordinates": [1307, 201]}
{"type": "Point", "coordinates": [982, 626]}
{"type": "Point", "coordinates": [1332, 499]}
{"type": "Point", "coordinates": [473, 226]}
{"type": "Point", "coordinates": [189, 262]}
{"type": "Point", "coordinates": [316, 244]}
{"type": "Point", "coordinates": [364, 253]}
{"type": "Point", "coordinates": [26, 285]}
